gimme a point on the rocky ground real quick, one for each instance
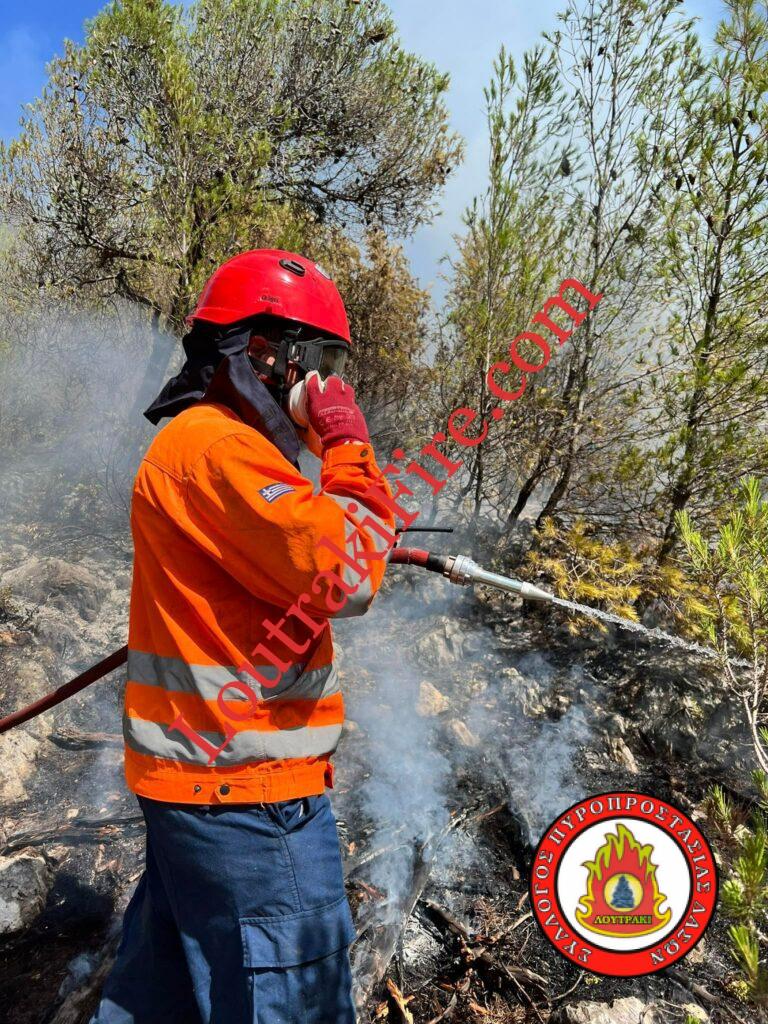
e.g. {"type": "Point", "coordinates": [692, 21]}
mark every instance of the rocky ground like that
{"type": "Point", "coordinates": [472, 723]}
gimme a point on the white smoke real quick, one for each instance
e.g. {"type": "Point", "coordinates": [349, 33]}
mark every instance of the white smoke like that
{"type": "Point", "coordinates": [406, 792]}
{"type": "Point", "coordinates": [69, 381]}
{"type": "Point", "coordinates": [69, 443]}
{"type": "Point", "coordinates": [421, 769]}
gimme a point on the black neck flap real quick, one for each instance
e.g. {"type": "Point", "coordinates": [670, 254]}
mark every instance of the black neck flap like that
{"type": "Point", "coordinates": [218, 370]}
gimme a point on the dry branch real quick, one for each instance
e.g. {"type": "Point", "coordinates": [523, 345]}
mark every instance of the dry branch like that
{"type": "Point", "coordinates": [480, 955]}
{"type": "Point", "coordinates": [75, 739]}
{"type": "Point", "coordinates": [79, 831]}
{"type": "Point", "coordinates": [447, 1012]}
{"type": "Point", "coordinates": [400, 1002]}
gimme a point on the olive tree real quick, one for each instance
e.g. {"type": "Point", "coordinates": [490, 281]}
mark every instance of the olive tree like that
{"type": "Point", "coordinates": [176, 136]}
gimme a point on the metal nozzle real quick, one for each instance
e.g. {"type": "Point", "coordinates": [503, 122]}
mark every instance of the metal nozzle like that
{"type": "Point", "coordinates": [464, 571]}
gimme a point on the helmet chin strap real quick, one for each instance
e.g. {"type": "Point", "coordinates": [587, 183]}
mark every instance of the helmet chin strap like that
{"type": "Point", "coordinates": [277, 371]}
{"type": "Point", "coordinates": [280, 367]}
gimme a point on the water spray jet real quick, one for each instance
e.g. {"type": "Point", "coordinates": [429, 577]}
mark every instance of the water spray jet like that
{"type": "Point", "coordinates": [463, 571]}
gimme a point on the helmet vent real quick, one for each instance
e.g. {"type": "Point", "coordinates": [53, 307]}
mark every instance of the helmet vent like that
{"type": "Point", "coordinates": [294, 267]}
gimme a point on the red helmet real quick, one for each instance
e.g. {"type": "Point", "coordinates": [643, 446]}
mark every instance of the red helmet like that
{"type": "Point", "coordinates": [272, 281]}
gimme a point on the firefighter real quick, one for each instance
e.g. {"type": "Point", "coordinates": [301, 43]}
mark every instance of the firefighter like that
{"type": "Point", "coordinates": [232, 706]}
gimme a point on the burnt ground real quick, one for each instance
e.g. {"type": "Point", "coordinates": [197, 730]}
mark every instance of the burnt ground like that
{"type": "Point", "coordinates": [472, 723]}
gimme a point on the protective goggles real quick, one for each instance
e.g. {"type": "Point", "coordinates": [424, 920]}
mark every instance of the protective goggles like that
{"type": "Point", "coordinates": [326, 355]}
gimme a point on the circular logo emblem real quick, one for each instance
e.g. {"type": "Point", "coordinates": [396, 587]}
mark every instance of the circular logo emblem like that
{"type": "Point", "coordinates": [623, 884]}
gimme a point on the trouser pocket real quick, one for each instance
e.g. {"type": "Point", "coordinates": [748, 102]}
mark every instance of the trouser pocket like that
{"type": "Point", "coordinates": [299, 966]}
{"type": "Point", "coordinates": [288, 814]}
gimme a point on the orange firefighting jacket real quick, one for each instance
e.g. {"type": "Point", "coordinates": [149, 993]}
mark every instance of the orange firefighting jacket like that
{"type": "Point", "coordinates": [231, 695]}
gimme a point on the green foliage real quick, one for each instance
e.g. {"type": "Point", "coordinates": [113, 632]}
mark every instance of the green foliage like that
{"type": "Point", "coordinates": [743, 842]}
{"type": "Point", "coordinates": [726, 819]}
{"type": "Point", "coordinates": [575, 142]}
{"type": "Point", "coordinates": [388, 318]}
{"type": "Point", "coordinates": [744, 897]}
{"type": "Point", "coordinates": [731, 569]}
{"type": "Point", "coordinates": [710, 384]}
{"type": "Point", "coordinates": [507, 260]}
{"type": "Point", "coordinates": [746, 951]}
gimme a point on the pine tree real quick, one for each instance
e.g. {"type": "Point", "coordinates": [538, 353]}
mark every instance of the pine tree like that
{"type": "Point", "coordinates": [731, 570]}
{"type": "Point", "coordinates": [615, 54]}
{"type": "Point", "coordinates": [507, 264]}
{"type": "Point", "coordinates": [707, 403]}
{"type": "Point", "coordinates": [622, 895]}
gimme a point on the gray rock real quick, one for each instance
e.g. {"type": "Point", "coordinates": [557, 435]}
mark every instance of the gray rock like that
{"type": "Point", "coordinates": [18, 750]}
{"type": "Point", "coordinates": [616, 725]}
{"type": "Point", "coordinates": [700, 952]}
{"type": "Point", "coordinates": [696, 1012]}
{"type": "Point", "coordinates": [51, 582]}
{"type": "Point", "coordinates": [441, 646]}
{"type": "Point", "coordinates": [533, 701]}
{"type": "Point", "coordinates": [621, 1011]}
{"type": "Point", "coordinates": [475, 643]}
{"type": "Point", "coordinates": [25, 881]}
{"type": "Point", "coordinates": [431, 700]}
{"type": "Point", "coordinates": [512, 681]}
{"type": "Point", "coordinates": [462, 734]}
{"type": "Point", "coordinates": [622, 755]}
{"type": "Point", "coordinates": [559, 704]}
{"type": "Point", "coordinates": [79, 970]}
{"type": "Point", "coordinates": [535, 666]}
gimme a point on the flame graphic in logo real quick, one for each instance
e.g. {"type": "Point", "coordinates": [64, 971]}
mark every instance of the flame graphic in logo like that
{"type": "Point", "coordinates": [622, 897]}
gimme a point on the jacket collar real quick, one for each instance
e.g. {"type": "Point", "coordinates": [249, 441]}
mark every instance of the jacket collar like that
{"type": "Point", "coordinates": [236, 386]}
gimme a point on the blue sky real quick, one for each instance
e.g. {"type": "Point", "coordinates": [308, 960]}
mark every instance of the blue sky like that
{"type": "Point", "coordinates": [460, 37]}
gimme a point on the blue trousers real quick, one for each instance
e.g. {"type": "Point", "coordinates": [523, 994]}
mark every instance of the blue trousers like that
{"type": "Point", "coordinates": [239, 918]}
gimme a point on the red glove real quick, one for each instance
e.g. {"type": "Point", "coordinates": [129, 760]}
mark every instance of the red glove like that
{"type": "Point", "coordinates": [332, 411]}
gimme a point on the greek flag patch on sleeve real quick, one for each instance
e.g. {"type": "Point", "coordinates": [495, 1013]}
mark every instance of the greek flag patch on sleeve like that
{"type": "Point", "coordinates": [275, 491]}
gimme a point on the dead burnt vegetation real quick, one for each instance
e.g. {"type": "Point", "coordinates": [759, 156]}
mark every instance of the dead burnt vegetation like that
{"type": "Point", "coordinates": [472, 722]}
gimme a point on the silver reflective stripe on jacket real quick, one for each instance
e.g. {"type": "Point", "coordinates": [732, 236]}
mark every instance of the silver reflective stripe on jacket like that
{"type": "Point", "coordinates": [206, 681]}
{"type": "Point", "coordinates": [158, 740]}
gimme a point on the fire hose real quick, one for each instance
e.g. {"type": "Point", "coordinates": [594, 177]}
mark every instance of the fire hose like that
{"type": "Point", "coordinates": [91, 675]}
{"type": "Point", "coordinates": [457, 569]}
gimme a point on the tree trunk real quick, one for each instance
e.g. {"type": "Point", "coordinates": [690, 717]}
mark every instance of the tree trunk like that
{"type": "Point", "coordinates": [683, 485]}
{"type": "Point", "coordinates": [681, 495]}
{"type": "Point", "coordinates": [561, 486]}
{"type": "Point", "coordinates": [527, 490]}
{"type": "Point", "coordinates": [566, 470]}
{"type": "Point", "coordinates": [544, 460]}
